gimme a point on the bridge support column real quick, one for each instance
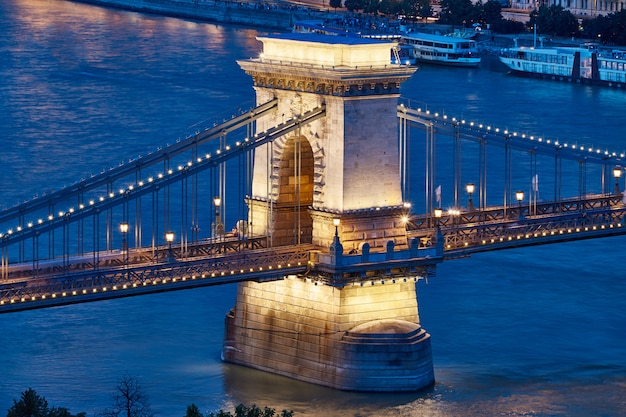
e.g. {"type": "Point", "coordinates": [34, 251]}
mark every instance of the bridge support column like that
{"type": "Point", "coordinates": [360, 337]}
{"type": "Point", "coordinates": [341, 165]}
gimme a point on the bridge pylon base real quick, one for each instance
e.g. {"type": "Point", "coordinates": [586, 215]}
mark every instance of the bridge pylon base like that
{"type": "Point", "coordinates": [355, 338]}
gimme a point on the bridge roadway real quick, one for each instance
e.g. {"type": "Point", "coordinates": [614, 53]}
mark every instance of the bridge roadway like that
{"type": "Point", "coordinates": [213, 262]}
{"type": "Point", "coordinates": [232, 259]}
{"type": "Point", "coordinates": [119, 274]}
{"type": "Point", "coordinates": [457, 233]}
{"type": "Point", "coordinates": [494, 228]}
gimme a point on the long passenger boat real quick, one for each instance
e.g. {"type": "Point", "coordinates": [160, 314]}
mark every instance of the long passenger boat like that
{"type": "Point", "coordinates": [586, 64]}
{"type": "Point", "coordinates": [444, 50]}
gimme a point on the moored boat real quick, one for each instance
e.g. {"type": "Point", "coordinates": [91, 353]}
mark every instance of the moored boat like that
{"type": "Point", "coordinates": [583, 64]}
{"type": "Point", "coordinates": [444, 50]}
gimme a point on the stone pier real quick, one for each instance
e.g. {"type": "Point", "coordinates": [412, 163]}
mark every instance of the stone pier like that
{"type": "Point", "coordinates": [352, 322]}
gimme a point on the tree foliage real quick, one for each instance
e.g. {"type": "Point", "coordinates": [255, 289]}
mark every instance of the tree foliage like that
{"type": "Point", "coordinates": [33, 405]}
{"type": "Point", "coordinates": [128, 400]}
{"type": "Point", "coordinates": [193, 411]}
{"type": "Point", "coordinates": [507, 26]}
{"type": "Point", "coordinates": [609, 29]}
{"type": "Point", "coordinates": [457, 12]}
{"type": "Point", "coordinates": [335, 4]}
{"type": "Point", "coordinates": [554, 21]}
{"type": "Point", "coordinates": [354, 5]}
{"type": "Point", "coordinates": [491, 12]}
{"type": "Point", "coordinates": [252, 411]}
{"type": "Point", "coordinates": [417, 8]}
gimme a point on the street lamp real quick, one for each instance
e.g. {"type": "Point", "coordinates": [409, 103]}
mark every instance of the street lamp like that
{"type": "Point", "coordinates": [519, 196]}
{"type": "Point", "coordinates": [438, 213]}
{"type": "Point", "coordinates": [336, 248]}
{"type": "Point", "coordinates": [219, 226]}
{"type": "Point", "coordinates": [470, 190]}
{"type": "Point", "coordinates": [617, 173]}
{"type": "Point", "coordinates": [124, 231]}
{"type": "Point", "coordinates": [169, 237]}
{"type": "Point", "coordinates": [439, 239]}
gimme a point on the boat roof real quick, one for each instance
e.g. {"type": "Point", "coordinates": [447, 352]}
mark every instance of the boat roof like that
{"type": "Point", "coordinates": [440, 38]}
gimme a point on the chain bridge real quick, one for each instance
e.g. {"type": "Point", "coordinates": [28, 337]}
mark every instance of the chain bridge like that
{"type": "Point", "coordinates": [267, 197]}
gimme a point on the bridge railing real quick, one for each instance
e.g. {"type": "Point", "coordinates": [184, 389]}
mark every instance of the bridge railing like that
{"type": "Point", "coordinates": [556, 222]}
{"type": "Point", "coordinates": [168, 275]}
{"type": "Point", "coordinates": [417, 261]}
{"type": "Point", "coordinates": [498, 214]}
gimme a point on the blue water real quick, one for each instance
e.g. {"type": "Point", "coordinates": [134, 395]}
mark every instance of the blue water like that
{"type": "Point", "coordinates": [528, 332]}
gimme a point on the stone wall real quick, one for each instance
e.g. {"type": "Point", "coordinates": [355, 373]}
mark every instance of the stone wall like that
{"type": "Point", "coordinates": [364, 338]}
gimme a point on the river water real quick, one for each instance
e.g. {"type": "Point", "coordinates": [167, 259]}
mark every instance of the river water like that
{"type": "Point", "coordinates": [528, 332]}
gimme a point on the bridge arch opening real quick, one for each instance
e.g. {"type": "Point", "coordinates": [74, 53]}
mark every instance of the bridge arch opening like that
{"type": "Point", "coordinates": [293, 223]}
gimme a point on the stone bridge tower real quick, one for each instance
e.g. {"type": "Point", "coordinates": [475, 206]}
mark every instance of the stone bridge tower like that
{"type": "Point", "coordinates": [343, 167]}
{"type": "Point", "coordinates": [339, 165]}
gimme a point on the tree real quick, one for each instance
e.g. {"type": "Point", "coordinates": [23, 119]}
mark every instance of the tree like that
{"type": "Point", "coordinates": [492, 12]}
{"type": "Point", "coordinates": [253, 411]}
{"type": "Point", "coordinates": [193, 411]}
{"type": "Point", "coordinates": [417, 8]}
{"type": "Point", "coordinates": [457, 12]}
{"type": "Point", "coordinates": [29, 405]}
{"type": "Point", "coordinates": [508, 26]}
{"type": "Point", "coordinates": [335, 4]}
{"type": "Point", "coordinates": [33, 405]}
{"type": "Point", "coordinates": [609, 29]}
{"type": "Point", "coordinates": [129, 400]}
{"type": "Point", "coordinates": [554, 20]}
{"type": "Point", "coordinates": [354, 5]}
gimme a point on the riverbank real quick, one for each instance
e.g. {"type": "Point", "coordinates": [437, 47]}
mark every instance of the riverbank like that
{"type": "Point", "coordinates": [266, 15]}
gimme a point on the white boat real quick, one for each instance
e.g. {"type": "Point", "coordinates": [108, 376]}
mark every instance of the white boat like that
{"type": "Point", "coordinates": [585, 64]}
{"type": "Point", "coordinates": [446, 50]}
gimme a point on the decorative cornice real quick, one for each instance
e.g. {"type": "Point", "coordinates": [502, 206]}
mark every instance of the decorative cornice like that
{"type": "Point", "coordinates": [342, 82]}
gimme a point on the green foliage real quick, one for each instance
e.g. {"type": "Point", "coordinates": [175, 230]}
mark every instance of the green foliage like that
{"type": "Point", "coordinates": [507, 26]}
{"type": "Point", "coordinates": [32, 405]}
{"type": "Point", "coordinates": [554, 21]}
{"type": "Point", "coordinates": [193, 411]}
{"type": "Point", "coordinates": [491, 12]}
{"type": "Point", "coordinates": [609, 29]}
{"type": "Point", "coordinates": [416, 8]}
{"type": "Point", "coordinates": [459, 12]}
{"type": "Point", "coordinates": [252, 411]}
{"type": "Point", "coordinates": [371, 6]}
{"type": "Point", "coordinates": [335, 4]}
{"type": "Point", "coordinates": [354, 5]}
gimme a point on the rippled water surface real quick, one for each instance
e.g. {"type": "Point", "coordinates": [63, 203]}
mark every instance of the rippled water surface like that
{"type": "Point", "coordinates": [527, 332]}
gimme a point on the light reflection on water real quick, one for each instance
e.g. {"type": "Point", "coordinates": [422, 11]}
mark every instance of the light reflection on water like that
{"type": "Point", "coordinates": [529, 332]}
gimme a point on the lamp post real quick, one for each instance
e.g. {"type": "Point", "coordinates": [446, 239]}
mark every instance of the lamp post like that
{"type": "Point", "coordinates": [617, 173]}
{"type": "Point", "coordinates": [169, 237]}
{"type": "Point", "coordinates": [519, 196]}
{"type": "Point", "coordinates": [124, 231]}
{"type": "Point", "coordinates": [336, 223]}
{"type": "Point", "coordinates": [470, 190]}
{"type": "Point", "coordinates": [336, 248]}
{"type": "Point", "coordinates": [219, 226]}
{"type": "Point", "coordinates": [438, 214]}
{"type": "Point", "coordinates": [439, 239]}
